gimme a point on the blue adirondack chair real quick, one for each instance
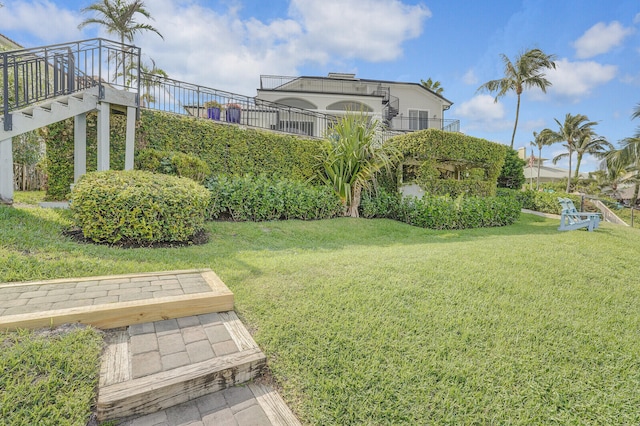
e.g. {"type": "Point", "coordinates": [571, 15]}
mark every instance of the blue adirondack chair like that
{"type": "Point", "coordinates": [571, 218]}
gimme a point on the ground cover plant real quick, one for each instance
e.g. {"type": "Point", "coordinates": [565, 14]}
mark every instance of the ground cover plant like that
{"type": "Point", "coordinates": [372, 321]}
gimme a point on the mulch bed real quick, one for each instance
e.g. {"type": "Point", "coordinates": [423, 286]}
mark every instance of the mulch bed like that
{"type": "Point", "coordinates": [200, 237]}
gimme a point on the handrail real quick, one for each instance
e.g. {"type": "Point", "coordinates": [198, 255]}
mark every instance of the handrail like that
{"type": "Point", "coordinates": [179, 97]}
{"type": "Point", "coordinates": [33, 75]}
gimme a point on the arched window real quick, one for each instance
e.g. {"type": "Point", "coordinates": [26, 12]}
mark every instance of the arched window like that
{"type": "Point", "coordinates": [296, 103]}
{"type": "Point", "coordinates": [349, 106]}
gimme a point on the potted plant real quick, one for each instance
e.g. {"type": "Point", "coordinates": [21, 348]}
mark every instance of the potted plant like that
{"type": "Point", "coordinates": [213, 109]}
{"type": "Point", "coordinates": [233, 113]}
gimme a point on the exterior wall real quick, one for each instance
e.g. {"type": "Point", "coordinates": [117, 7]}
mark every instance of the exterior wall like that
{"type": "Point", "coordinates": [321, 100]}
{"type": "Point", "coordinates": [418, 108]}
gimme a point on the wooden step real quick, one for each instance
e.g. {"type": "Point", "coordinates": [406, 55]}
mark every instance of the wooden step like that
{"type": "Point", "coordinates": [121, 395]}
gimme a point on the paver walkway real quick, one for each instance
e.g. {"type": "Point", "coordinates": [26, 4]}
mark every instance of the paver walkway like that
{"type": "Point", "coordinates": [157, 348]}
{"type": "Point", "coordinates": [52, 295]}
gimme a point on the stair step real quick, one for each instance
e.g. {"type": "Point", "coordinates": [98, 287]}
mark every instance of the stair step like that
{"type": "Point", "coordinates": [124, 391]}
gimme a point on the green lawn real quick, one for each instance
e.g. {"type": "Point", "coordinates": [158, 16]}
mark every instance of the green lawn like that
{"type": "Point", "coordinates": [378, 322]}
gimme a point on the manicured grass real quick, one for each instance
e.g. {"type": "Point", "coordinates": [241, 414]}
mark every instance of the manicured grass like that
{"type": "Point", "coordinates": [378, 322]}
{"type": "Point", "coordinates": [48, 379]}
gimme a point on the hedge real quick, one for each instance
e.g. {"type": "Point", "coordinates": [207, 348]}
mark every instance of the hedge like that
{"type": "Point", "coordinates": [172, 163]}
{"type": "Point", "coordinates": [259, 198]}
{"type": "Point", "coordinates": [226, 149]}
{"type": "Point", "coordinates": [480, 159]}
{"type": "Point", "coordinates": [442, 212]}
{"type": "Point", "coordinates": [539, 201]}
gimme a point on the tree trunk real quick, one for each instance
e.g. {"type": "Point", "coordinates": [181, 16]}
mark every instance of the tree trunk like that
{"type": "Point", "coordinates": [578, 161]}
{"type": "Point", "coordinates": [538, 180]}
{"type": "Point", "coordinates": [515, 125]}
{"type": "Point", "coordinates": [635, 194]}
{"type": "Point", "coordinates": [569, 177]}
{"type": "Point", "coordinates": [352, 210]}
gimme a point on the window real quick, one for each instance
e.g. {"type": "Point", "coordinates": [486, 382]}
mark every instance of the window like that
{"type": "Point", "coordinates": [418, 119]}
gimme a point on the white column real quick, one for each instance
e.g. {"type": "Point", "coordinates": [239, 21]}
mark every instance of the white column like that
{"type": "Point", "coordinates": [104, 109]}
{"type": "Point", "coordinates": [6, 171]}
{"type": "Point", "coordinates": [131, 137]}
{"type": "Point", "coordinates": [79, 146]}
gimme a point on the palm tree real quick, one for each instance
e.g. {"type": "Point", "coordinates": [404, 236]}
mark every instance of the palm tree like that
{"type": "Point", "coordinates": [592, 144]}
{"type": "Point", "coordinates": [572, 131]}
{"type": "Point", "coordinates": [119, 18]}
{"type": "Point", "coordinates": [524, 73]}
{"type": "Point", "coordinates": [152, 77]}
{"type": "Point", "coordinates": [627, 157]}
{"type": "Point", "coordinates": [542, 139]}
{"type": "Point", "coordinates": [434, 86]}
{"type": "Point", "coordinates": [613, 172]}
{"type": "Point", "coordinates": [353, 155]}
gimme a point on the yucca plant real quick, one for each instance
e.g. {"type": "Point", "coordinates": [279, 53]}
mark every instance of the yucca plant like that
{"type": "Point", "coordinates": [353, 154]}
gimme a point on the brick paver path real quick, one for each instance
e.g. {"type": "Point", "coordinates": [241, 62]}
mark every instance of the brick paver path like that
{"type": "Point", "coordinates": [38, 297]}
{"type": "Point", "coordinates": [165, 345]}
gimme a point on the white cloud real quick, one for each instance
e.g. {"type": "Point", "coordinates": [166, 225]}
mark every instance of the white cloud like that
{"type": "Point", "coordinates": [470, 78]}
{"type": "Point", "coordinates": [600, 38]}
{"type": "Point", "coordinates": [218, 49]}
{"type": "Point", "coordinates": [42, 19]}
{"type": "Point", "coordinates": [372, 30]}
{"type": "Point", "coordinates": [636, 19]}
{"type": "Point", "coordinates": [577, 79]}
{"type": "Point", "coordinates": [482, 113]}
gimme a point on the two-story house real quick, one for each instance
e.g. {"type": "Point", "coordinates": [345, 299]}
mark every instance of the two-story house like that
{"type": "Point", "coordinates": [400, 106]}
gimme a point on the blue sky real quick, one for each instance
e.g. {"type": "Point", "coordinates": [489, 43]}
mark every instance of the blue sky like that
{"type": "Point", "coordinates": [228, 44]}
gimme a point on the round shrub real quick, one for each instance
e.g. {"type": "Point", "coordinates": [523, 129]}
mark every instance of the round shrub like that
{"type": "Point", "coordinates": [172, 163]}
{"type": "Point", "coordinates": [138, 207]}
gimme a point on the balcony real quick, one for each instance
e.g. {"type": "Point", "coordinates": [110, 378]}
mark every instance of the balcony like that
{"type": "Point", "coordinates": [323, 85]}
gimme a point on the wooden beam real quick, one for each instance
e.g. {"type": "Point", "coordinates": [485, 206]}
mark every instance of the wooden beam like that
{"type": "Point", "coordinates": [163, 390]}
{"type": "Point", "coordinates": [113, 315]}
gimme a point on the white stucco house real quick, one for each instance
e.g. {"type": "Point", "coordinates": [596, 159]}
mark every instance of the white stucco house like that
{"type": "Point", "coordinates": [401, 106]}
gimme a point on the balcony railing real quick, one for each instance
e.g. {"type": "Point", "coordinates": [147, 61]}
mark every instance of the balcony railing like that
{"type": "Point", "coordinates": [30, 76]}
{"type": "Point", "coordinates": [323, 85]}
{"type": "Point", "coordinates": [169, 95]}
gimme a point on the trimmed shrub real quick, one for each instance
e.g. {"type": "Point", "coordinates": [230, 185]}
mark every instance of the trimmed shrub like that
{"type": "Point", "coordinates": [259, 198]}
{"type": "Point", "coordinates": [172, 163]}
{"type": "Point", "coordinates": [138, 207]}
{"type": "Point", "coordinates": [442, 212]}
{"type": "Point", "coordinates": [540, 201]}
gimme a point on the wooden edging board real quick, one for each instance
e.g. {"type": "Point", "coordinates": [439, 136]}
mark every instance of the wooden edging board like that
{"type": "Point", "coordinates": [120, 314]}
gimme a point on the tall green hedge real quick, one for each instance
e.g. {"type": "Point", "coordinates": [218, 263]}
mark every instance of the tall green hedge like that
{"type": "Point", "coordinates": [480, 160]}
{"type": "Point", "coordinates": [230, 149]}
{"type": "Point", "coordinates": [227, 149]}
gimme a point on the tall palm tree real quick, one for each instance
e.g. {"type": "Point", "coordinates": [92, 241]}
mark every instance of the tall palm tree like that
{"type": "Point", "coordinates": [542, 139]}
{"type": "Point", "coordinates": [592, 144]}
{"type": "Point", "coordinates": [434, 86]}
{"type": "Point", "coordinates": [353, 155]}
{"type": "Point", "coordinates": [527, 71]}
{"type": "Point", "coordinates": [118, 17]}
{"type": "Point", "coordinates": [572, 131]}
